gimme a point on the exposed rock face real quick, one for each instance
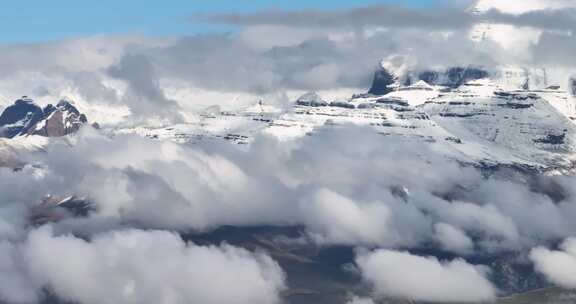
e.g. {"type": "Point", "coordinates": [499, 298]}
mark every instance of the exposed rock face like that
{"type": "Point", "coordinates": [26, 117]}
{"type": "Point", "coordinates": [382, 83]}
{"type": "Point", "coordinates": [55, 209]}
{"type": "Point", "coordinates": [453, 77]}
{"type": "Point", "coordinates": [572, 88]}
{"type": "Point", "coordinates": [19, 117]}
{"type": "Point", "coordinates": [385, 82]}
{"type": "Point", "coordinates": [58, 121]}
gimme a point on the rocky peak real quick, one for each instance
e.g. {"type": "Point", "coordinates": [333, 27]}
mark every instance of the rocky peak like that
{"type": "Point", "coordinates": [53, 209]}
{"type": "Point", "coordinates": [66, 105]}
{"type": "Point", "coordinates": [382, 83]}
{"type": "Point", "coordinates": [59, 120]}
{"type": "Point", "coordinates": [26, 117]}
{"type": "Point", "coordinates": [19, 117]}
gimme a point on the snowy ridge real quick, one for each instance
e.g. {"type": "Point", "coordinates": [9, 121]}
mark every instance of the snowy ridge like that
{"type": "Point", "coordinates": [479, 122]}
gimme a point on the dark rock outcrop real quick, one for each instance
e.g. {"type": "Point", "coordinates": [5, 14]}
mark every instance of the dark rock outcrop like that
{"type": "Point", "coordinates": [382, 83]}
{"type": "Point", "coordinates": [453, 77]}
{"type": "Point", "coordinates": [552, 139]}
{"type": "Point", "coordinates": [25, 117]}
{"type": "Point", "coordinates": [342, 104]}
{"type": "Point", "coordinates": [54, 209]}
{"type": "Point", "coordinates": [20, 117]}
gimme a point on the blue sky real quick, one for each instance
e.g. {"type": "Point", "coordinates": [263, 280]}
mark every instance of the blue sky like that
{"type": "Point", "coordinates": [26, 21]}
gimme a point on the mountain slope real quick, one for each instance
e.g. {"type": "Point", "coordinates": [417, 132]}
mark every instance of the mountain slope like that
{"type": "Point", "coordinates": [466, 113]}
{"type": "Point", "coordinates": [25, 117]}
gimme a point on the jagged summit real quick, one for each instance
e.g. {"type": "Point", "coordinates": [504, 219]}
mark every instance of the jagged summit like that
{"type": "Point", "coordinates": [382, 82]}
{"type": "Point", "coordinates": [20, 117]}
{"type": "Point", "coordinates": [25, 117]}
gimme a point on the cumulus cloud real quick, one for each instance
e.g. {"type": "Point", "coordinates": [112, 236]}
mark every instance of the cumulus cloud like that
{"type": "Point", "coordinates": [16, 284]}
{"type": "Point", "coordinates": [359, 300]}
{"type": "Point", "coordinates": [281, 51]}
{"type": "Point", "coordinates": [135, 266]}
{"type": "Point", "coordinates": [144, 96]}
{"type": "Point", "coordinates": [453, 239]}
{"type": "Point", "coordinates": [402, 275]}
{"type": "Point", "coordinates": [346, 185]}
{"type": "Point", "coordinates": [537, 14]}
{"type": "Point", "coordinates": [332, 218]}
{"type": "Point", "coordinates": [379, 191]}
{"type": "Point", "coordinates": [559, 266]}
{"type": "Point", "coordinates": [380, 15]}
{"type": "Point", "coordinates": [323, 60]}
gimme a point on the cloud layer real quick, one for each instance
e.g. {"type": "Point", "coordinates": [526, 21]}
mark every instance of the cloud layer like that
{"type": "Point", "coordinates": [134, 266]}
{"type": "Point", "coordinates": [344, 186]}
{"type": "Point", "coordinates": [347, 186]}
{"type": "Point", "coordinates": [559, 266]}
{"type": "Point", "coordinates": [402, 275]}
{"type": "Point", "coordinates": [275, 54]}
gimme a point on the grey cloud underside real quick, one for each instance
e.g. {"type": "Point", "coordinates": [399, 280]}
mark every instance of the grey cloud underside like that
{"type": "Point", "coordinates": [368, 16]}
{"type": "Point", "coordinates": [346, 186]}
{"type": "Point", "coordinates": [144, 95]}
{"type": "Point", "coordinates": [214, 185]}
{"type": "Point", "coordinates": [563, 19]}
{"type": "Point", "coordinates": [395, 17]}
{"type": "Point", "coordinates": [306, 53]}
{"type": "Point", "coordinates": [555, 49]}
{"type": "Point", "coordinates": [224, 62]}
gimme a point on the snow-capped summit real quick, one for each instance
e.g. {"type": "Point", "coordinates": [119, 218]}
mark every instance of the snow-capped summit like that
{"type": "Point", "coordinates": [61, 120]}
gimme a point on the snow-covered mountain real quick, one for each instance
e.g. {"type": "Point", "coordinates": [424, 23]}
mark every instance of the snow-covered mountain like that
{"type": "Point", "coordinates": [25, 117]}
{"type": "Point", "coordinates": [27, 127]}
{"type": "Point", "coordinates": [473, 115]}
{"type": "Point", "coordinates": [20, 117]}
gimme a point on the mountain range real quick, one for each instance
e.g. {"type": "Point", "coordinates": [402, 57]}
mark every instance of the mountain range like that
{"type": "Point", "coordinates": [465, 167]}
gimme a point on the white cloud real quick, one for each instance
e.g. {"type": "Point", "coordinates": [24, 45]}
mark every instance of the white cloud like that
{"type": "Point", "coordinates": [16, 286]}
{"type": "Point", "coordinates": [359, 300]}
{"type": "Point", "coordinates": [402, 275]}
{"type": "Point", "coordinates": [137, 266]}
{"type": "Point", "coordinates": [337, 184]}
{"type": "Point", "coordinates": [453, 239]}
{"type": "Point", "coordinates": [333, 218]}
{"type": "Point", "coordinates": [209, 185]}
{"type": "Point", "coordinates": [559, 266]}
